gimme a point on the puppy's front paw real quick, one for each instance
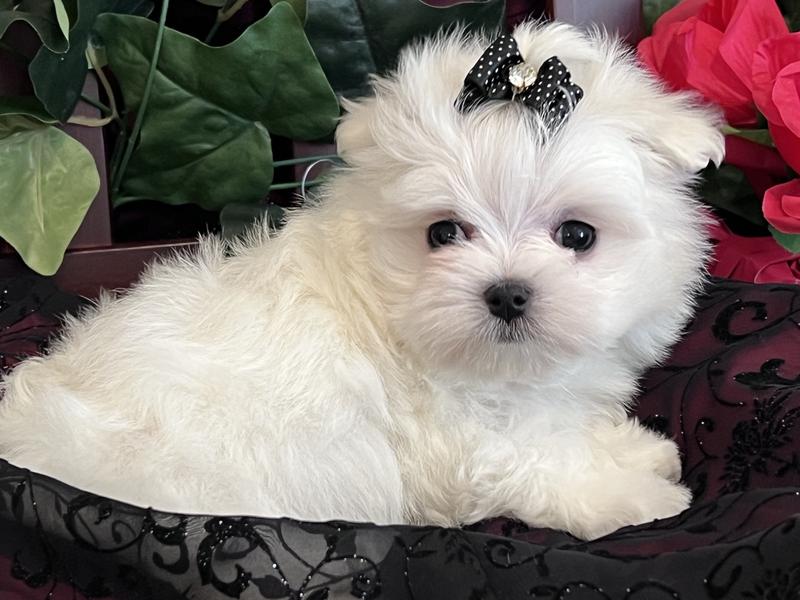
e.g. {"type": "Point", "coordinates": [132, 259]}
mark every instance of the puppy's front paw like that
{"type": "Point", "coordinates": [665, 459]}
{"type": "Point", "coordinates": [636, 448]}
{"type": "Point", "coordinates": [630, 499]}
{"type": "Point", "coordinates": [655, 454]}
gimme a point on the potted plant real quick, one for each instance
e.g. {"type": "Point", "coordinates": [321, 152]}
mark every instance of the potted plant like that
{"type": "Point", "coordinates": [117, 112]}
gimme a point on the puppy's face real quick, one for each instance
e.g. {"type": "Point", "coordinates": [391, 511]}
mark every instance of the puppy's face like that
{"type": "Point", "coordinates": [503, 248]}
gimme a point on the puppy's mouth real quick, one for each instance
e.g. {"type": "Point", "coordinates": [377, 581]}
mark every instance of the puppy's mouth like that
{"type": "Point", "coordinates": [517, 331]}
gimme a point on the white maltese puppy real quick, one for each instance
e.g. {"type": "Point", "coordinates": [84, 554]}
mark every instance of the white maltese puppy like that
{"type": "Point", "coordinates": [453, 332]}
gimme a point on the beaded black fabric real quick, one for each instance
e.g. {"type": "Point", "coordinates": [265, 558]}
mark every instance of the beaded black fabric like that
{"type": "Point", "coordinates": [730, 395]}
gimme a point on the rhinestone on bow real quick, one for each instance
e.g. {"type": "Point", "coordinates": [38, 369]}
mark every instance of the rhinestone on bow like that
{"type": "Point", "coordinates": [521, 76]}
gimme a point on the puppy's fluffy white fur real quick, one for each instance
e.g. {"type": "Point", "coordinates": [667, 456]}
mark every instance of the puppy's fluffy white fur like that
{"type": "Point", "coordinates": [343, 369]}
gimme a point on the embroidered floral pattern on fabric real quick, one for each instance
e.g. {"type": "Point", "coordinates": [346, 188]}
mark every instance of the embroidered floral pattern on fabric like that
{"type": "Point", "coordinates": [730, 395]}
{"type": "Point", "coordinates": [756, 443]}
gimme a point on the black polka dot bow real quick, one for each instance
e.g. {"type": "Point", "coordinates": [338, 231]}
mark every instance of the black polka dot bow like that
{"type": "Point", "coordinates": [501, 74]}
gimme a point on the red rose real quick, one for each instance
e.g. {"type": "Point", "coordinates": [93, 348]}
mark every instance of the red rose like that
{"type": "Point", "coordinates": [776, 90]}
{"type": "Point", "coordinates": [709, 46]}
{"type": "Point", "coordinates": [757, 259]}
{"type": "Point", "coordinates": [781, 206]}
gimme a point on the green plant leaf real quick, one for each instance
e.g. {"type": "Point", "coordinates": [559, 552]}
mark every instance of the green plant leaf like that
{"type": "Point", "coordinates": [652, 9]}
{"type": "Point", "coordinates": [214, 3]}
{"type": "Point", "coordinates": [727, 188]}
{"type": "Point", "coordinates": [141, 8]}
{"type": "Point", "coordinates": [205, 137]}
{"type": "Point", "coordinates": [62, 18]}
{"type": "Point", "coordinates": [354, 38]}
{"type": "Point", "coordinates": [788, 240]}
{"type": "Point", "coordinates": [791, 10]}
{"type": "Point", "coordinates": [46, 17]}
{"type": "Point", "coordinates": [58, 78]}
{"type": "Point", "coordinates": [759, 136]}
{"type": "Point", "coordinates": [299, 7]}
{"type": "Point", "coordinates": [49, 180]}
{"type": "Point", "coordinates": [96, 52]}
{"type": "Point", "coordinates": [28, 106]}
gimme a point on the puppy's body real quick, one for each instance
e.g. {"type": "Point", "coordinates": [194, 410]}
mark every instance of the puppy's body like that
{"type": "Point", "coordinates": [344, 369]}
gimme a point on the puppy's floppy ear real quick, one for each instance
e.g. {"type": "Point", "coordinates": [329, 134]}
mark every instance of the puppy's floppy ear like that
{"type": "Point", "coordinates": [354, 132]}
{"type": "Point", "coordinates": [678, 128]}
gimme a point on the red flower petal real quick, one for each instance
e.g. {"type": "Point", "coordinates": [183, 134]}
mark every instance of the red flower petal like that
{"type": "Point", "coordinates": [653, 51]}
{"type": "Point", "coordinates": [788, 144]}
{"type": "Point", "coordinates": [646, 54]}
{"type": "Point", "coordinates": [718, 13]}
{"type": "Point", "coordinates": [676, 55]}
{"type": "Point", "coordinates": [786, 96]}
{"type": "Point", "coordinates": [791, 205]}
{"type": "Point", "coordinates": [752, 22]}
{"type": "Point", "coordinates": [762, 165]}
{"type": "Point", "coordinates": [709, 45]}
{"type": "Point", "coordinates": [696, 53]}
{"type": "Point", "coordinates": [746, 154]}
{"type": "Point", "coordinates": [760, 259]}
{"type": "Point", "coordinates": [677, 14]}
{"type": "Point", "coordinates": [781, 206]}
{"type": "Point", "coordinates": [770, 58]}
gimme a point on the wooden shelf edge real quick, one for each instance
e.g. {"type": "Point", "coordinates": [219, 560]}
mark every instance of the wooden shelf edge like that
{"type": "Point", "coordinates": [85, 272]}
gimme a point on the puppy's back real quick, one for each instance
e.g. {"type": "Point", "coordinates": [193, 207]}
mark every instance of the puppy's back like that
{"type": "Point", "coordinates": [217, 384]}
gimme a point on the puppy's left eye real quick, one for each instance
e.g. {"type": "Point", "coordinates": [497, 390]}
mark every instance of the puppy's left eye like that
{"type": "Point", "coordinates": [576, 235]}
{"type": "Point", "coordinates": [443, 233]}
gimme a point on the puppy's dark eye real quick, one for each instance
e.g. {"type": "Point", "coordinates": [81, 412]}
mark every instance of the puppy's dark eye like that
{"type": "Point", "coordinates": [442, 233]}
{"type": "Point", "coordinates": [576, 235]}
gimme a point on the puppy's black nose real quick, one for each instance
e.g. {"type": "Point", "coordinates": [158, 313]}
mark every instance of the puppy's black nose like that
{"type": "Point", "coordinates": [507, 300]}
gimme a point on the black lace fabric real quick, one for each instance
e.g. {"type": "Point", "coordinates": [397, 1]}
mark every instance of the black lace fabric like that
{"type": "Point", "coordinates": [730, 395]}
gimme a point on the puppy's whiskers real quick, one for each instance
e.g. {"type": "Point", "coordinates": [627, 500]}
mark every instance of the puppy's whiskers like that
{"type": "Point", "coordinates": [515, 332]}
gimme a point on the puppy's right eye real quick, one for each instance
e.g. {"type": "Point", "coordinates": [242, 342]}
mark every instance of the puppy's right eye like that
{"type": "Point", "coordinates": [442, 233]}
{"type": "Point", "coordinates": [576, 235]}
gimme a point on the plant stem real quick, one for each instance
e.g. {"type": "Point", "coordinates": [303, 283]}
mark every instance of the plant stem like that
{"type": "Point", "coordinates": [213, 31]}
{"type": "Point", "coordinates": [119, 147]}
{"type": "Point", "coordinates": [228, 11]}
{"type": "Point", "coordinates": [91, 56]}
{"type": "Point", "coordinates": [97, 104]}
{"type": "Point", "coordinates": [303, 159]}
{"type": "Point", "coordinates": [295, 184]}
{"type": "Point", "coordinates": [116, 178]}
